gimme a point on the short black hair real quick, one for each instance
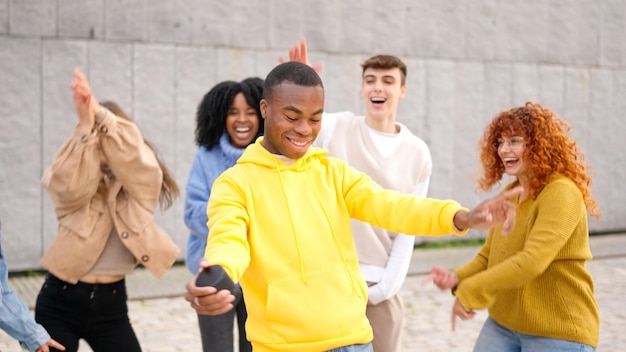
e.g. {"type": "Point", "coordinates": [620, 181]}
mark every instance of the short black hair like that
{"type": "Point", "coordinates": [213, 109]}
{"type": "Point", "coordinates": [292, 72]}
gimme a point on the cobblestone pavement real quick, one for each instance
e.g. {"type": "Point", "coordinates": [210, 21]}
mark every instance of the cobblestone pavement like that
{"type": "Point", "coordinates": [428, 323]}
{"type": "Point", "coordinates": [168, 324]}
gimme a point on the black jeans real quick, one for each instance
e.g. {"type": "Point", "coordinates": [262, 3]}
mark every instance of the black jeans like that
{"type": "Point", "coordinates": [96, 313]}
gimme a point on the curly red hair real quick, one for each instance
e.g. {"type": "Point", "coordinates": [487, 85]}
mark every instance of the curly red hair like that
{"type": "Point", "coordinates": [548, 151]}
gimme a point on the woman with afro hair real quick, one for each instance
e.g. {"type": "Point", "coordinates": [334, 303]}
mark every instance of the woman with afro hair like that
{"type": "Point", "coordinates": [533, 280]}
{"type": "Point", "coordinates": [227, 121]}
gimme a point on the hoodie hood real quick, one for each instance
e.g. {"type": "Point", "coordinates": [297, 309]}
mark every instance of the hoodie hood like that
{"type": "Point", "coordinates": [257, 154]}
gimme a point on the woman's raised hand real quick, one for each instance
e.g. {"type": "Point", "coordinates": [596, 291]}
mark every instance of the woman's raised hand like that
{"type": "Point", "coordinates": [86, 105]}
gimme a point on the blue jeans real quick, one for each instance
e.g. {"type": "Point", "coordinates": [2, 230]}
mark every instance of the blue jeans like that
{"type": "Point", "coordinates": [496, 338]}
{"type": "Point", "coordinates": [354, 348]}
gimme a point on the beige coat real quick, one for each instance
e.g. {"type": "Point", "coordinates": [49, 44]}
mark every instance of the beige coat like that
{"type": "Point", "coordinates": [86, 216]}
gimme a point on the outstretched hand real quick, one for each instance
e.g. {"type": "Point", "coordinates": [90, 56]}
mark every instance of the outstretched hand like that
{"type": "Point", "coordinates": [299, 53]}
{"type": "Point", "coordinates": [442, 278]}
{"type": "Point", "coordinates": [491, 212]}
{"type": "Point", "coordinates": [86, 105]}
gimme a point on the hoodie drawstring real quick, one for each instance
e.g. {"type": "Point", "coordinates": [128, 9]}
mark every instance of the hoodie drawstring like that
{"type": "Point", "coordinates": [293, 226]}
{"type": "Point", "coordinates": [355, 283]}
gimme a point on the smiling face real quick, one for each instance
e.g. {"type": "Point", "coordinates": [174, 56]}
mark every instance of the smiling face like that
{"type": "Point", "coordinates": [293, 115]}
{"type": "Point", "coordinates": [242, 122]}
{"type": "Point", "coordinates": [382, 89]}
{"type": "Point", "coordinates": [511, 152]}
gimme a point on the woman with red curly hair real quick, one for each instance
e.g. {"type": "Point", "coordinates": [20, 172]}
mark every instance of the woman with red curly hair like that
{"type": "Point", "coordinates": [533, 281]}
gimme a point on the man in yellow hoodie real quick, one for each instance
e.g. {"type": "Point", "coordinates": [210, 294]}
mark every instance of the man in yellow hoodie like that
{"type": "Point", "coordinates": [279, 223]}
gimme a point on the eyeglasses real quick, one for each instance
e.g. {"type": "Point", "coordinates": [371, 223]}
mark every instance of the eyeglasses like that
{"type": "Point", "coordinates": [513, 142]}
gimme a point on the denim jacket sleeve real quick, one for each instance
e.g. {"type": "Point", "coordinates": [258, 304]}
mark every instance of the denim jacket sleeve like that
{"type": "Point", "coordinates": [198, 190]}
{"type": "Point", "coordinates": [15, 318]}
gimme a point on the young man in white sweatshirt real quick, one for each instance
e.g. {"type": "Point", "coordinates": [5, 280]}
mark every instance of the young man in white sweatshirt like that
{"type": "Point", "coordinates": [396, 159]}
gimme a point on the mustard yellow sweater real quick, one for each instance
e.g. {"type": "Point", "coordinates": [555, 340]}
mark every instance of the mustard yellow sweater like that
{"type": "Point", "coordinates": [534, 279]}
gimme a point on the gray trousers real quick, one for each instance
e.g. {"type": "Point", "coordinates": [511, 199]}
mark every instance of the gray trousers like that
{"type": "Point", "coordinates": [217, 331]}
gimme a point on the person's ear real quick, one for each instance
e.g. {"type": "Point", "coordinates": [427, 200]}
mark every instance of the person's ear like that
{"type": "Point", "coordinates": [263, 105]}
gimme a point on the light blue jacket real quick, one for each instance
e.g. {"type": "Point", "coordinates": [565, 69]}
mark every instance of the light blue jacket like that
{"type": "Point", "coordinates": [206, 167]}
{"type": "Point", "coordinates": [15, 318]}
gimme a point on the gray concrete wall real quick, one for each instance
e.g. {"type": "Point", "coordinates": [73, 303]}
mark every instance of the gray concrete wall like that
{"type": "Point", "coordinates": [467, 61]}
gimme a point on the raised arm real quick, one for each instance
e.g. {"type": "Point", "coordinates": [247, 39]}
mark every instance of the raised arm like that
{"type": "Point", "coordinates": [130, 159]}
{"type": "Point", "coordinates": [74, 174]}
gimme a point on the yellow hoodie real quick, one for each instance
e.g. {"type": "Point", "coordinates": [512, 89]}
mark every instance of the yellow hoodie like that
{"type": "Point", "coordinates": [283, 231]}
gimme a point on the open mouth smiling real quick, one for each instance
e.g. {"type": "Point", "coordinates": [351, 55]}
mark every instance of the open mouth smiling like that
{"type": "Point", "coordinates": [299, 144]}
{"type": "Point", "coordinates": [378, 101]}
{"type": "Point", "coordinates": [510, 162]}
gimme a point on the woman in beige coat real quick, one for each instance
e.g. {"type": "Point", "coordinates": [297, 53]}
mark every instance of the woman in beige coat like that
{"type": "Point", "coordinates": [105, 182]}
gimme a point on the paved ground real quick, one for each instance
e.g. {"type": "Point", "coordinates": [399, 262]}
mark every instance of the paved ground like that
{"type": "Point", "coordinates": [164, 322]}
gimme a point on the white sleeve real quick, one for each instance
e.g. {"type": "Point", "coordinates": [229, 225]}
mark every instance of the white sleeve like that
{"type": "Point", "coordinates": [399, 261]}
{"type": "Point", "coordinates": [422, 188]}
{"type": "Point", "coordinates": [395, 270]}
{"type": "Point", "coordinates": [329, 121]}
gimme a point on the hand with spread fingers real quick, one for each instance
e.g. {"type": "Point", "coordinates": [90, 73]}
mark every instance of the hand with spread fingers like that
{"type": "Point", "coordinates": [491, 212]}
{"type": "Point", "coordinates": [299, 53]}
